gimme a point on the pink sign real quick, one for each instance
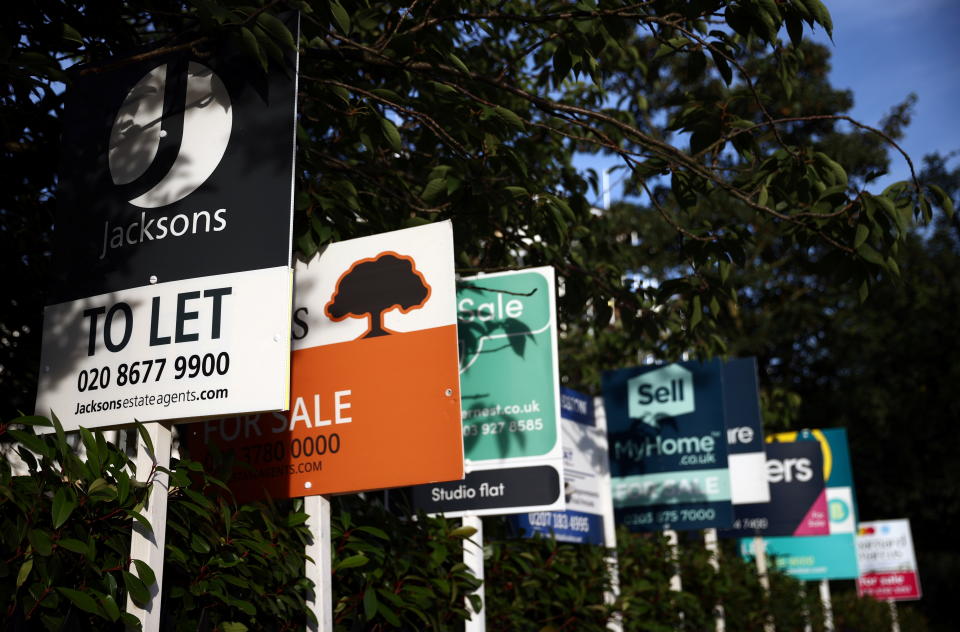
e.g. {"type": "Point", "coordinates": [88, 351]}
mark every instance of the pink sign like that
{"type": "Point", "coordinates": [896, 586]}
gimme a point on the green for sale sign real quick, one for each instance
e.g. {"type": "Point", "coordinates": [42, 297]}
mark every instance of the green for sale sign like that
{"type": "Point", "coordinates": [509, 384]}
{"type": "Point", "coordinates": [507, 366]}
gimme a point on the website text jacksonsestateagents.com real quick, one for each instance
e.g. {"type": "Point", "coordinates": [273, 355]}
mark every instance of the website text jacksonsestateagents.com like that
{"type": "Point", "coordinates": [140, 401]}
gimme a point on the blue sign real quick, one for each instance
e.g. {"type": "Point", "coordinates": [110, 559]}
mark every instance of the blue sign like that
{"type": "Point", "coordinates": [584, 462]}
{"type": "Point", "coordinates": [576, 407]}
{"type": "Point", "coordinates": [668, 446]}
{"type": "Point", "coordinates": [566, 526]}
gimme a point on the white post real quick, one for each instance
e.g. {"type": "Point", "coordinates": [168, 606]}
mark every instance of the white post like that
{"type": "Point", "coordinates": [827, 605]}
{"type": "Point", "coordinates": [807, 625]}
{"type": "Point", "coordinates": [473, 558]}
{"type": "Point", "coordinates": [713, 549]}
{"type": "Point", "coordinates": [760, 557]}
{"type": "Point", "coordinates": [320, 599]}
{"type": "Point", "coordinates": [894, 618]}
{"type": "Point", "coordinates": [676, 584]}
{"type": "Point", "coordinates": [144, 545]}
{"type": "Point", "coordinates": [615, 623]}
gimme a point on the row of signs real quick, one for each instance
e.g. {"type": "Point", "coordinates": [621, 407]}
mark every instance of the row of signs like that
{"type": "Point", "coordinates": [174, 300]}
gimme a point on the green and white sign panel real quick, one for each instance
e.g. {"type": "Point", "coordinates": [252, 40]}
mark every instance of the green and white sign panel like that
{"type": "Point", "coordinates": [509, 384]}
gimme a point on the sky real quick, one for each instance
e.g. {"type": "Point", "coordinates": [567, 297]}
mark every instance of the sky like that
{"type": "Point", "coordinates": [883, 50]}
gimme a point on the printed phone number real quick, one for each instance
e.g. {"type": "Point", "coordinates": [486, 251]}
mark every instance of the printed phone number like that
{"type": "Point", "coordinates": [499, 427]}
{"type": "Point", "coordinates": [142, 371]}
{"type": "Point", "coordinates": [548, 519]}
{"type": "Point", "coordinates": [670, 516]}
{"type": "Point", "coordinates": [263, 453]}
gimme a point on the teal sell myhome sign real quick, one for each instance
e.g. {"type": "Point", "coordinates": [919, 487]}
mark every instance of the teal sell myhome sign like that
{"type": "Point", "coordinates": [668, 448]}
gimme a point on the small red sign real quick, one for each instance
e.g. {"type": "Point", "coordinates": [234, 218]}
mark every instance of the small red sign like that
{"type": "Point", "coordinates": [891, 586]}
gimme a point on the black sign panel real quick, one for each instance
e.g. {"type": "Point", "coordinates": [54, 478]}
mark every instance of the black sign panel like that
{"type": "Point", "coordinates": [506, 489]}
{"type": "Point", "coordinates": [174, 167]}
{"type": "Point", "coordinates": [741, 403]}
{"type": "Point", "coordinates": [798, 501]}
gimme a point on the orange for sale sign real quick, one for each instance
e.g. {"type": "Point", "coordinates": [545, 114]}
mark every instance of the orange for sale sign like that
{"type": "Point", "coordinates": [375, 389]}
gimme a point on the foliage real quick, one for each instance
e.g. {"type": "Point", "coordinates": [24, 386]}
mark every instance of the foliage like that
{"type": "Point", "coordinates": [473, 112]}
{"type": "Point", "coordinates": [65, 534]}
{"type": "Point", "coordinates": [229, 565]}
{"type": "Point", "coordinates": [396, 571]}
{"type": "Point", "coordinates": [66, 540]}
{"type": "Point", "coordinates": [541, 584]}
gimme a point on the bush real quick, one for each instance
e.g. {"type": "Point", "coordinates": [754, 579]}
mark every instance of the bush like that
{"type": "Point", "coordinates": [65, 562]}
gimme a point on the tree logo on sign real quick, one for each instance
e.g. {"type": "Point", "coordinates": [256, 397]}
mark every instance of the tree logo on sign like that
{"type": "Point", "coordinates": [196, 121]}
{"type": "Point", "coordinates": [373, 287]}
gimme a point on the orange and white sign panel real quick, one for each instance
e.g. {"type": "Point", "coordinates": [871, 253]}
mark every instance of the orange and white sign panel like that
{"type": "Point", "coordinates": [375, 390]}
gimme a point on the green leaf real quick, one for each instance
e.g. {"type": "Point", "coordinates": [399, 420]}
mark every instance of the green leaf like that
{"type": "Point", "coordinates": [696, 313]}
{"type": "Point", "coordinates": [458, 63]}
{"type": "Point", "coordinates": [199, 544]}
{"type": "Point", "coordinates": [24, 572]}
{"type": "Point", "coordinates": [64, 502]}
{"type": "Point", "coordinates": [233, 626]}
{"type": "Point", "coordinates": [277, 30]}
{"type": "Point", "coordinates": [379, 533]}
{"type": "Point", "coordinates": [389, 615]}
{"type": "Point", "coordinates": [391, 133]}
{"type": "Point", "coordinates": [509, 116]}
{"type": "Point", "coordinates": [943, 200]}
{"type": "Point", "coordinates": [83, 601]}
{"type": "Point", "coordinates": [74, 545]}
{"type": "Point", "coordinates": [32, 442]}
{"type": "Point", "coordinates": [145, 572]}
{"type": "Point", "coordinates": [433, 189]}
{"type": "Point", "coordinates": [463, 532]}
{"type": "Point", "coordinates": [72, 34]}
{"type": "Point", "coordinates": [370, 603]}
{"type": "Point", "coordinates": [723, 67]}
{"type": "Point", "coordinates": [136, 589]}
{"type": "Point", "coordinates": [351, 562]}
{"type": "Point", "coordinates": [252, 46]}
{"type": "Point", "coordinates": [40, 541]}
{"type": "Point", "coordinates": [147, 442]}
{"type": "Point", "coordinates": [341, 16]}
{"type": "Point", "coordinates": [306, 244]}
{"type": "Point", "coordinates": [862, 233]}
{"type": "Point", "coordinates": [109, 605]}
{"type": "Point", "coordinates": [867, 252]}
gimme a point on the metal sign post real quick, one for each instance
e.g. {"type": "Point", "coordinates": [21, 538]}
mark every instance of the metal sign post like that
{"type": "Point", "coordinates": [147, 545]}
{"type": "Point", "coordinates": [318, 570]}
{"type": "Point", "coordinates": [473, 558]}
{"type": "Point", "coordinates": [894, 619]}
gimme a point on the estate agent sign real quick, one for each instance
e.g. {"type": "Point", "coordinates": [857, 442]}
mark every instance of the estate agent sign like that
{"type": "Point", "coordinates": [668, 446]}
{"type": "Point", "coordinates": [510, 399]}
{"type": "Point", "coordinates": [888, 566]}
{"type": "Point", "coordinates": [586, 469]}
{"type": "Point", "coordinates": [375, 387]}
{"type": "Point", "coordinates": [172, 243]}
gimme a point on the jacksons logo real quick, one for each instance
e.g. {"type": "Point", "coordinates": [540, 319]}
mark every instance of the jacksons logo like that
{"type": "Point", "coordinates": [197, 114]}
{"type": "Point", "coordinates": [153, 229]}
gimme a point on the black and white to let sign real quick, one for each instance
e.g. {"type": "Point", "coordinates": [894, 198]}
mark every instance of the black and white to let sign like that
{"type": "Point", "coordinates": [172, 291]}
